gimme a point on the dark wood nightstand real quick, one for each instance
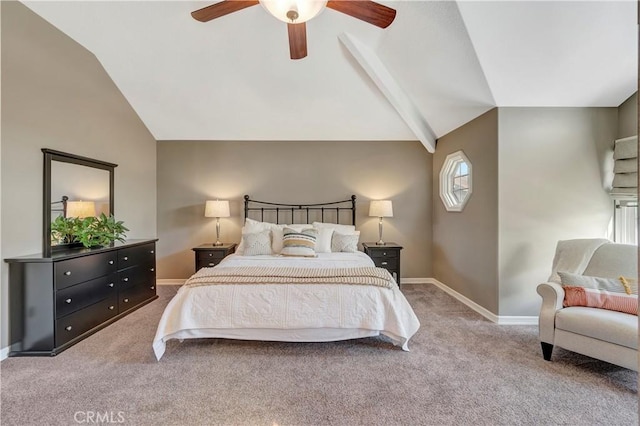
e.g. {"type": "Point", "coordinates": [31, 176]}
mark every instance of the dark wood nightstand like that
{"type": "Point", "coordinates": [386, 256]}
{"type": "Point", "coordinates": [208, 255]}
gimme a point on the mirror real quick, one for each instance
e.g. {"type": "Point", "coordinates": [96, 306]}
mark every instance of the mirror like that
{"type": "Point", "coordinates": [74, 186]}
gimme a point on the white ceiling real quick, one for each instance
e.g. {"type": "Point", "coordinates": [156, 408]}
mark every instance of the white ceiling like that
{"type": "Point", "coordinates": [232, 79]}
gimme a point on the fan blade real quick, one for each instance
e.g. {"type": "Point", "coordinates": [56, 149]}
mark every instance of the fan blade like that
{"type": "Point", "coordinates": [220, 9]}
{"type": "Point", "coordinates": [297, 40]}
{"type": "Point", "coordinates": [365, 10]}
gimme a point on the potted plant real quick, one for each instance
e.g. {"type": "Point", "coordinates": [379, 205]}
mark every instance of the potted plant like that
{"type": "Point", "coordinates": [89, 231]}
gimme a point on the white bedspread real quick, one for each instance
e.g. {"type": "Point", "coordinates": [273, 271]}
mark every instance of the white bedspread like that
{"type": "Point", "coordinates": [288, 312]}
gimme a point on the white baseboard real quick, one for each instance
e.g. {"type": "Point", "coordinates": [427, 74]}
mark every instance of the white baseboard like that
{"type": "Point", "coordinates": [4, 353]}
{"type": "Point", "coordinates": [171, 281]}
{"type": "Point", "coordinates": [415, 281]}
{"type": "Point", "coordinates": [498, 319]}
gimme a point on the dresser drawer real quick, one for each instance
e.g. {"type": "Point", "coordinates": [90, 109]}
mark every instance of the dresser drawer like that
{"type": "Point", "coordinates": [135, 295]}
{"type": "Point", "coordinates": [383, 254]}
{"type": "Point", "coordinates": [387, 263]}
{"type": "Point", "coordinates": [136, 275]}
{"type": "Point", "coordinates": [136, 255]}
{"type": "Point", "coordinates": [79, 269]}
{"type": "Point", "coordinates": [73, 325]}
{"type": "Point", "coordinates": [211, 258]}
{"type": "Point", "coordinates": [82, 295]}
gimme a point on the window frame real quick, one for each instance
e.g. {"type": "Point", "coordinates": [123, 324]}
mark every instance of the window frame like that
{"type": "Point", "coordinates": [447, 178]}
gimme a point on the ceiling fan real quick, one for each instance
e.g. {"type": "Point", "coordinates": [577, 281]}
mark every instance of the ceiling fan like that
{"type": "Point", "coordinates": [297, 12]}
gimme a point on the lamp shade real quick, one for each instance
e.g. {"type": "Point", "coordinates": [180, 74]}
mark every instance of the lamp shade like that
{"type": "Point", "coordinates": [381, 208]}
{"type": "Point", "coordinates": [294, 11]}
{"type": "Point", "coordinates": [81, 209]}
{"type": "Point", "coordinates": [217, 208]}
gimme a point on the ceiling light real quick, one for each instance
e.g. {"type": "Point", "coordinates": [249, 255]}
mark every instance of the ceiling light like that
{"type": "Point", "coordinates": [294, 11]}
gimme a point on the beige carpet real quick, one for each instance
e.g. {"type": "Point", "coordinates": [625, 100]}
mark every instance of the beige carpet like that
{"type": "Point", "coordinates": [461, 370]}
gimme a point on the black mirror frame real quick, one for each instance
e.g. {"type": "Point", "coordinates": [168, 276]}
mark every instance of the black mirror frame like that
{"type": "Point", "coordinates": [52, 155]}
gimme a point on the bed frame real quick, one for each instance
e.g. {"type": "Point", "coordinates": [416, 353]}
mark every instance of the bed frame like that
{"type": "Point", "coordinates": [289, 210]}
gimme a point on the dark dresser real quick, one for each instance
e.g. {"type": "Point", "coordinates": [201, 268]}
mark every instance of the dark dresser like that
{"type": "Point", "coordinates": [57, 301]}
{"type": "Point", "coordinates": [385, 256]}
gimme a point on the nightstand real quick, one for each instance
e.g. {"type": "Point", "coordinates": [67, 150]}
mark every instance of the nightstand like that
{"type": "Point", "coordinates": [386, 256]}
{"type": "Point", "coordinates": [208, 255]}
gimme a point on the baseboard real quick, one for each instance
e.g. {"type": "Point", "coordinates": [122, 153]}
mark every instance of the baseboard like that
{"type": "Point", "coordinates": [498, 319]}
{"type": "Point", "coordinates": [171, 281]}
{"type": "Point", "coordinates": [415, 281]}
{"type": "Point", "coordinates": [4, 353]}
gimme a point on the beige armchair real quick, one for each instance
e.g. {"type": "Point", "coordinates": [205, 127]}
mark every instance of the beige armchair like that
{"type": "Point", "coordinates": [599, 333]}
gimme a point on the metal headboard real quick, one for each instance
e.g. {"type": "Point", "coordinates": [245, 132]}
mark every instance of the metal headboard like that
{"type": "Point", "coordinates": [278, 208]}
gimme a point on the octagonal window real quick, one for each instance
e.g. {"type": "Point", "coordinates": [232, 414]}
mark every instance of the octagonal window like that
{"type": "Point", "coordinates": [455, 181]}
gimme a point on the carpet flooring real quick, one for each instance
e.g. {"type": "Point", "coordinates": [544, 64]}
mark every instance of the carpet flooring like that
{"type": "Point", "coordinates": [462, 370]}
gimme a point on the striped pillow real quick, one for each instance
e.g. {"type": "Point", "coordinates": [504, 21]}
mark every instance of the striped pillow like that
{"type": "Point", "coordinates": [597, 292]}
{"type": "Point", "coordinates": [300, 243]}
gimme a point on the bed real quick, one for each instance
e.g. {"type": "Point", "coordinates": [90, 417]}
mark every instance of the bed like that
{"type": "Point", "coordinates": [263, 293]}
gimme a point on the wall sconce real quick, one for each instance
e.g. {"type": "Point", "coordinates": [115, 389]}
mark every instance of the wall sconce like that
{"type": "Point", "coordinates": [217, 209]}
{"type": "Point", "coordinates": [380, 208]}
{"type": "Point", "coordinates": [81, 209]}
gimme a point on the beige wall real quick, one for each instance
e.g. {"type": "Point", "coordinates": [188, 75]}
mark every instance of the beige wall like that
{"type": "Point", "coordinates": [55, 94]}
{"type": "Point", "coordinates": [465, 244]}
{"type": "Point", "coordinates": [552, 163]}
{"type": "Point", "coordinates": [628, 117]}
{"type": "Point", "coordinates": [191, 172]}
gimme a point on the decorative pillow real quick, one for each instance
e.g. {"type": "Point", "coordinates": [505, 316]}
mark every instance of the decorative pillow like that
{"type": "Point", "coordinates": [343, 229]}
{"type": "Point", "coordinates": [323, 243]}
{"type": "Point", "coordinates": [597, 292]}
{"type": "Point", "coordinates": [603, 299]}
{"type": "Point", "coordinates": [257, 243]}
{"type": "Point", "coordinates": [345, 242]}
{"type": "Point", "coordinates": [299, 243]}
{"type": "Point", "coordinates": [609, 284]}
{"type": "Point", "coordinates": [251, 226]}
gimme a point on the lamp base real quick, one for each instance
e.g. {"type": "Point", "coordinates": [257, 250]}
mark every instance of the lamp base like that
{"type": "Point", "coordinates": [218, 243]}
{"type": "Point", "coordinates": [381, 243]}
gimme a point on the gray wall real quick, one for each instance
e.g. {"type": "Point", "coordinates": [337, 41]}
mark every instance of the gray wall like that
{"type": "Point", "coordinates": [55, 94]}
{"type": "Point", "coordinates": [553, 167]}
{"type": "Point", "coordinates": [191, 172]}
{"type": "Point", "coordinates": [628, 117]}
{"type": "Point", "coordinates": [465, 244]}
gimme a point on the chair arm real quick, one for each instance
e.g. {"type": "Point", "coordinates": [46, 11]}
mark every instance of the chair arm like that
{"type": "Point", "coordinates": [552, 297]}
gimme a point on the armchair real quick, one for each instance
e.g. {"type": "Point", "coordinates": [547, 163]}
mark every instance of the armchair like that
{"type": "Point", "coordinates": [607, 335]}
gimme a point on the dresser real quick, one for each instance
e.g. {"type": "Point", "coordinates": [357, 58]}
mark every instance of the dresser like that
{"type": "Point", "coordinates": [208, 255]}
{"type": "Point", "coordinates": [57, 301]}
{"type": "Point", "coordinates": [385, 256]}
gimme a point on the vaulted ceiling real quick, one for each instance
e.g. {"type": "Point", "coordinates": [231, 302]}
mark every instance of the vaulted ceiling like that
{"type": "Point", "coordinates": [232, 79]}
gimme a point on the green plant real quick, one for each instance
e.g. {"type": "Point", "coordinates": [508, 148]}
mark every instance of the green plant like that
{"type": "Point", "coordinates": [90, 231]}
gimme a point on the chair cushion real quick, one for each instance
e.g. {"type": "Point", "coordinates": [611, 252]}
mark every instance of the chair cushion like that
{"type": "Point", "coordinates": [610, 326]}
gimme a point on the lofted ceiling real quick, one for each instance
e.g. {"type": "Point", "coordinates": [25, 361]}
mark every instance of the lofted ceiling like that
{"type": "Point", "coordinates": [232, 79]}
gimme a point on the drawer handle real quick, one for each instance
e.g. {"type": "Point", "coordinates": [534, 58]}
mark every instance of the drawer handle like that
{"type": "Point", "coordinates": [68, 300]}
{"type": "Point", "coordinates": [111, 262]}
{"type": "Point", "coordinates": [212, 264]}
{"type": "Point", "coordinates": [385, 263]}
{"type": "Point", "coordinates": [111, 308]}
{"type": "Point", "coordinates": [210, 254]}
{"type": "Point", "coordinates": [152, 269]}
{"type": "Point", "coordinates": [384, 253]}
{"type": "Point", "coordinates": [68, 328]}
{"type": "Point", "coordinates": [126, 300]}
{"type": "Point", "coordinates": [110, 284]}
{"type": "Point", "coordinates": [153, 287]}
{"type": "Point", "coordinates": [152, 251]}
{"type": "Point", "coordinates": [125, 258]}
{"type": "Point", "coordinates": [67, 273]}
{"type": "Point", "coordinates": [125, 279]}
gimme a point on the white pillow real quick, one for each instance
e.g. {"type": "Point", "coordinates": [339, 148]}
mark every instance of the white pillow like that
{"type": "Point", "coordinates": [343, 229]}
{"type": "Point", "coordinates": [252, 226]}
{"type": "Point", "coordinates": [323, 242]}
{"type": "Point", "coordinates": [257, 243]}
{"type": "Point", "coordinates": [345, 242]}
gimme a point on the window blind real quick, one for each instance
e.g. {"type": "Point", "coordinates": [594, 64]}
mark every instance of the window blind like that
{"type": "Point", "coordinates": [625, 169]}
